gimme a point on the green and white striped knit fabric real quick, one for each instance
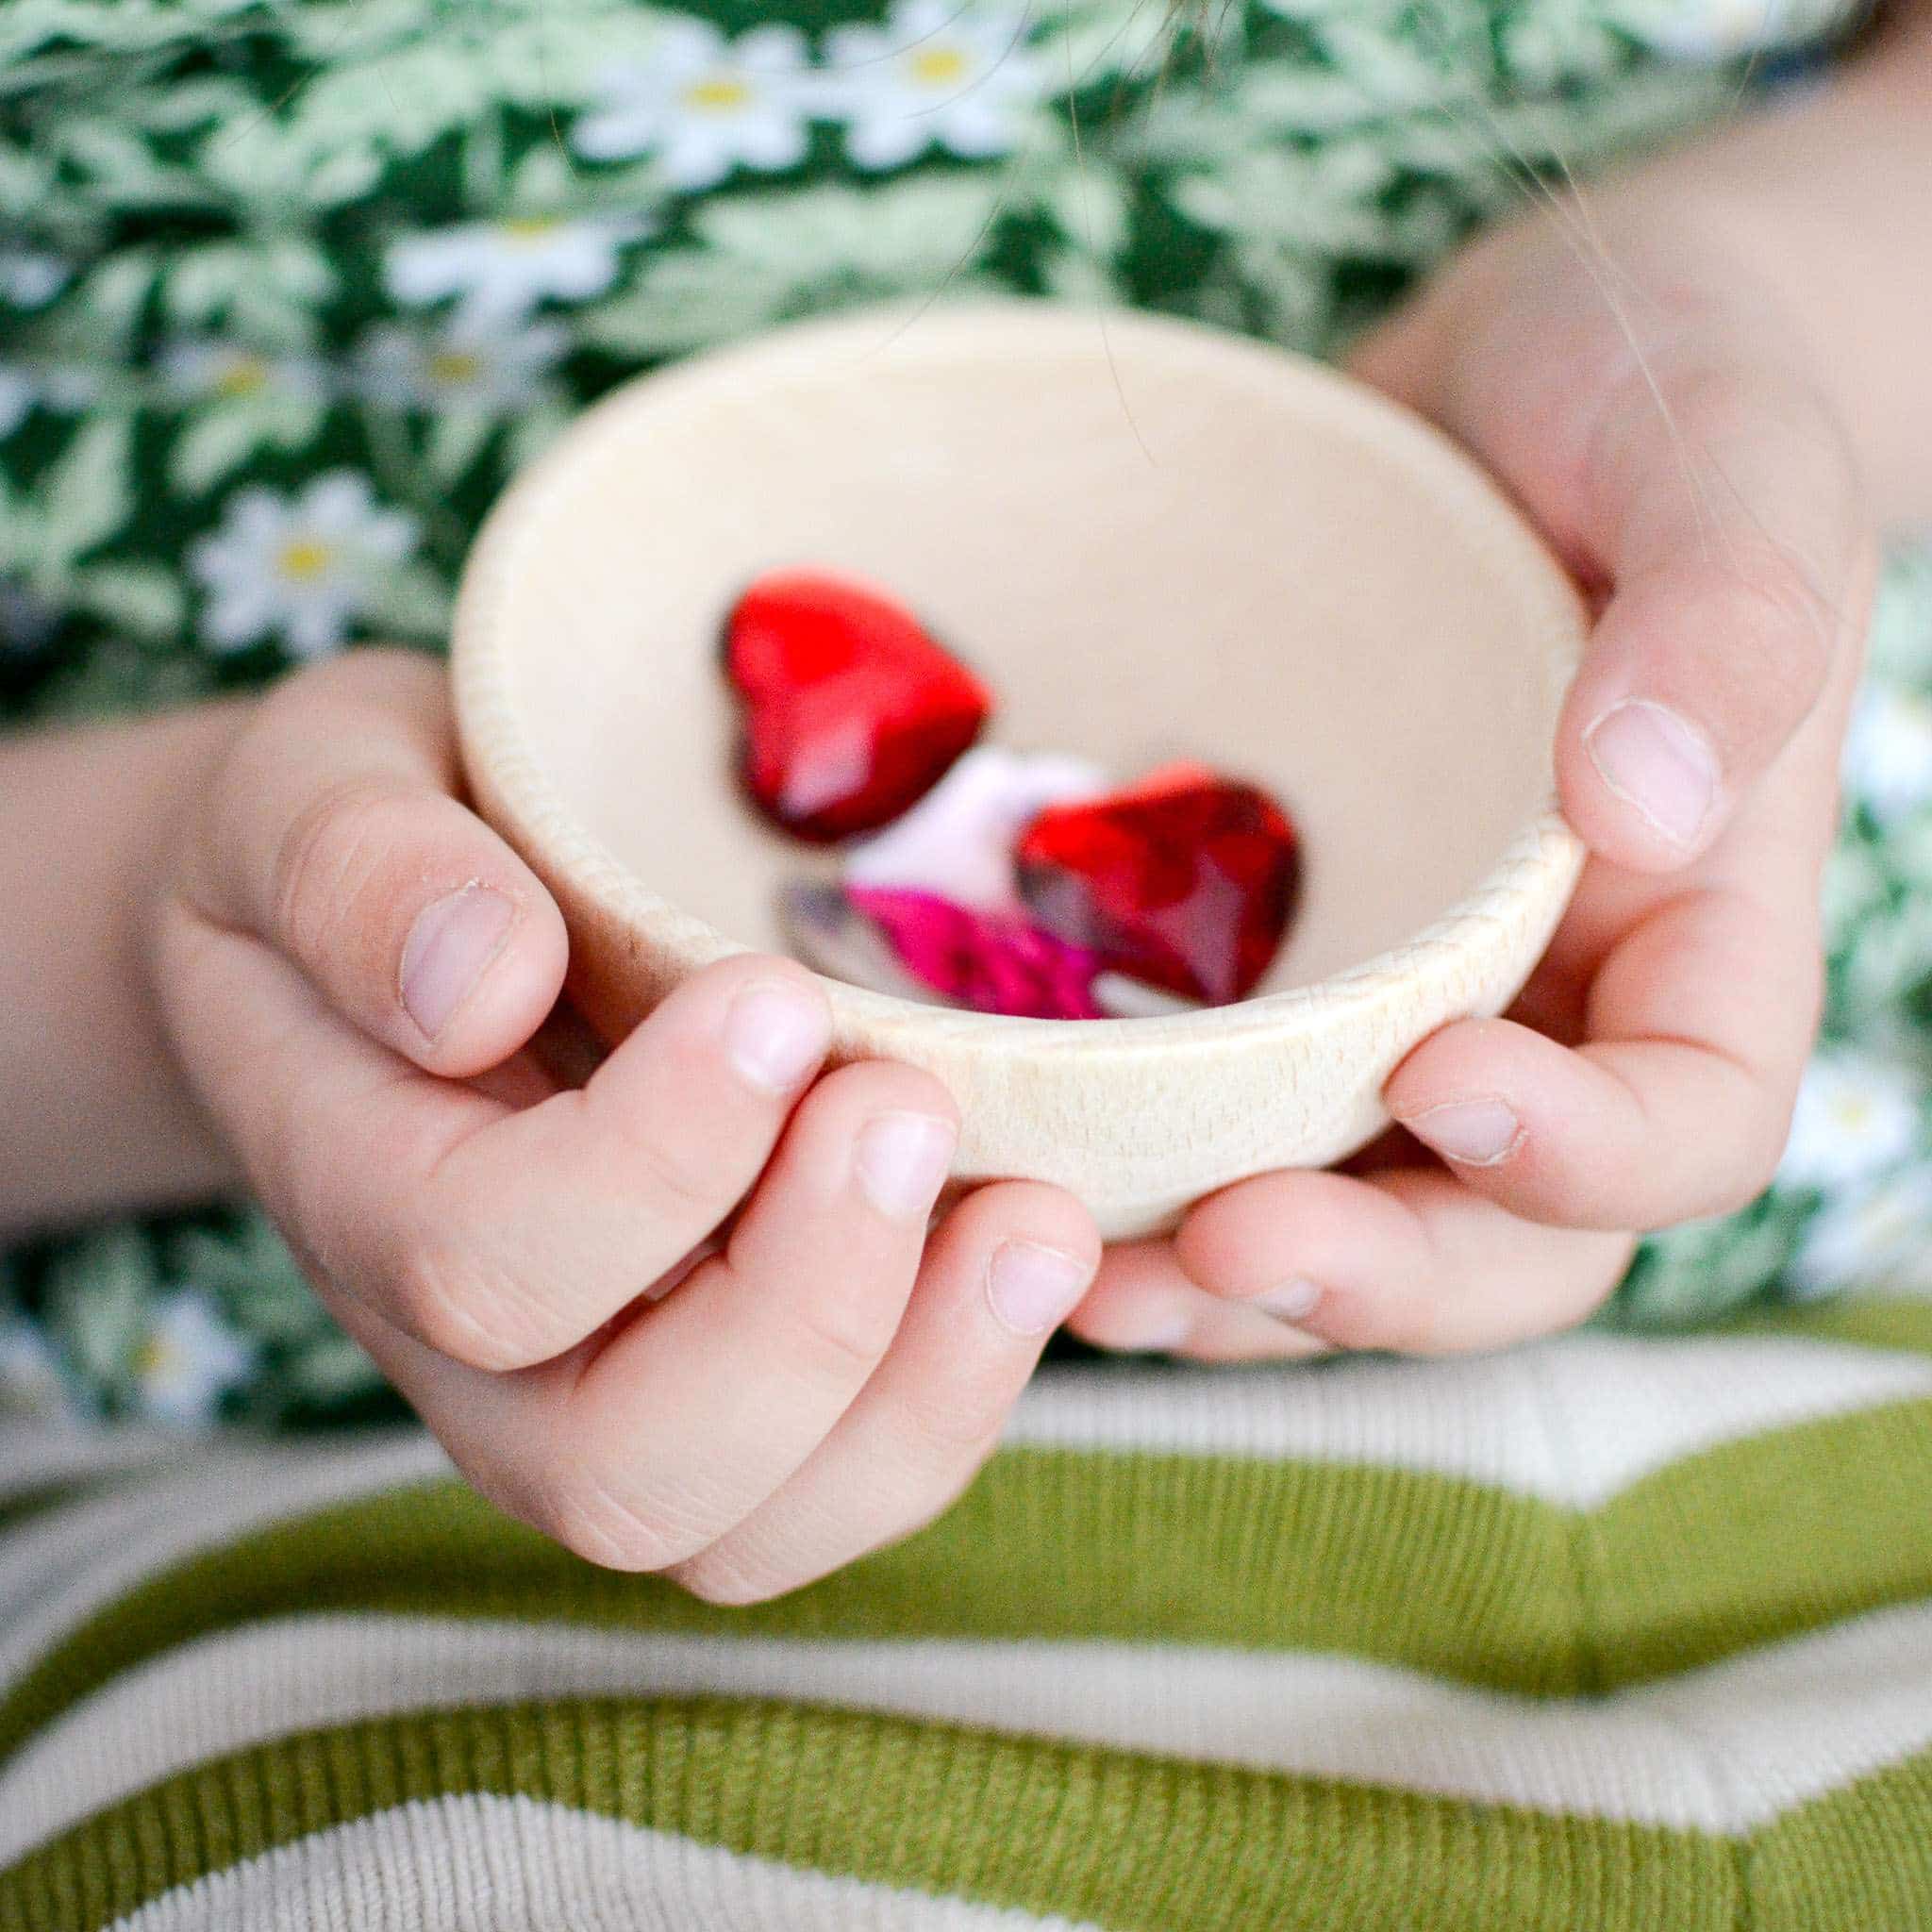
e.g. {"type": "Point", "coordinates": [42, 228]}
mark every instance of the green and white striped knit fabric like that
{"type": "Point", "coordinates": [1607, 1633]}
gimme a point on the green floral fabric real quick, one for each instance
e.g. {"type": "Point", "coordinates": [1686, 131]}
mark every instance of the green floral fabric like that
{"type": "Point", "coordinates": [288, 287]}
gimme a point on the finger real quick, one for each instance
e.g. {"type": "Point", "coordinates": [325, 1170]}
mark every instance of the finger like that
{"type": "Point", "coordinates": [1411, 1261]}
{"type": "Point", "coordinates": [519, 1241]}
{"type": "Point", "coordinates": [1729, 611]}
{"type": "Point", "coordinates": [648, 1444]}
{"type": "Point", "coordinates": [1699, 1021]}
{"type": "Point", "coordinates": [1144, 1303]}
{"type": "Point", "coordinates": [1652, 420]}
{"type": "Point", "coordinates": [335, 837]}
{"type": "Point", "coordinates": [1004, 1271]}
{"type": "Point", "coordinates": [499, 1238]}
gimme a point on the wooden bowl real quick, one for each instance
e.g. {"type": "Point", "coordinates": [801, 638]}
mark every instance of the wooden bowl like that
{"type": "Point", "coordinates": [1155, 540]}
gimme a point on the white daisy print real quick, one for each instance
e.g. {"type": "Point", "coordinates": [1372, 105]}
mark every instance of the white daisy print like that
{"type": "Point", "coordinates": [31, 1378]}
{"type": "Point", "coordinates": [1887, 761]}
{"type": "Point", "coordinates": [1712, 32]}
{"type": "Point", "coordinates": [957, 841]}
{"type": "Point", "coordinates": [189, 1359]}
{"type": "Point", "coordinates": [459, 368]}
{"type": "Point", "coordinates": [1703, 30]}
{"type": "Point", "coordinates": [30, 280]}
{"type": "Point", "coordinates": [297, 567]}
{"type": "Point", "coordinates": [1874, 1237]}
{"type": "Point", "coordinates": [65, 386]}
{"type": "Point", "coordinates": [1854, 1118]}
{"type": "Point", "coordinates": [705, 105]}
{"type": "Point", "coordinates": [500, 271]}
{"type": "Point", "coordinates": [227, 372]}
{"type": "Point", "coordinates": [19, 392]}
{"type": "Point", "coordinates": [937, 73]}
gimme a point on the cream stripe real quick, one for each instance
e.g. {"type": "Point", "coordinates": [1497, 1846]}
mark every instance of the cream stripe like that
{"type": "Point", "coordinates": [146, 1499]}
{"type": "Point", "coordinates": [35, 1455]}
{"type": "Point", "coordinates": [93, 1552]}
{"type": "Point", "coordinates": [43, 1555]}
{"type": "Point", "coordinates": [1572, 1422]}
{"type": "Point", "coordinates": [1720, 1750]}
{"type": "Point", "coordinates": [487, 1864]}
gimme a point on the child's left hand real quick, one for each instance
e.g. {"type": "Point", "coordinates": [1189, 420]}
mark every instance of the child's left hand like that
{"type": "Point", "coordinates": [1662, 426]}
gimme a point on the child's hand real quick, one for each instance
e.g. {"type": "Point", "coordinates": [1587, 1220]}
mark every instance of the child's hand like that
{"type": "Point", "coordinates": [1666, 435]}
{"type": "Point", "coordinates": [351, 966]}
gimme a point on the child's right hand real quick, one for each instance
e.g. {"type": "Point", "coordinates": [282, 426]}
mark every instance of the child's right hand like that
{"type": "Point", "coordinates": [351, 966]}
{"type": "Point", "coordinates": [1677, 440]}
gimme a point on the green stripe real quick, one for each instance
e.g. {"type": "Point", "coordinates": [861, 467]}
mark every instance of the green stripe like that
{"type": "Point", "coordinates": [1134, 1843]}
{"type": "Point", "coordinates": [1761, 1539]}
{"type": "Point", "coordinates": [22, 1506]}
{"type": "Point", "coordinates": [1859, 1860]}
{"type": "Point", "coordinates": [1902, 1324]}
{"type": "Point", "coordinates": [43, 1497]}
{"type": "Point", "coordinates": [1744, 1544]}
{"type": "Point", "coordinates": [1448, 1576]}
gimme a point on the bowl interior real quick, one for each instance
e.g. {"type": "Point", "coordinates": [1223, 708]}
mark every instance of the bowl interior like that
{"type": "Point", "coordinates": [1163, 543]}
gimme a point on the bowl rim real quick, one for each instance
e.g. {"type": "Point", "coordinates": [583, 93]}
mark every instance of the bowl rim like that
{"type": "Point", "coordinates": [498, 756]}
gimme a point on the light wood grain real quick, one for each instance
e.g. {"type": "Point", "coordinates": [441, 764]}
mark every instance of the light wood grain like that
{"type": "Point", "coordinates": [1168, 542]}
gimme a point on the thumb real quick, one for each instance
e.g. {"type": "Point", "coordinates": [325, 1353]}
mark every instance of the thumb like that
{"type": "Point", "coordinates": [1659, 425]}
{"type": "Point", "coordinates": [334, 836]}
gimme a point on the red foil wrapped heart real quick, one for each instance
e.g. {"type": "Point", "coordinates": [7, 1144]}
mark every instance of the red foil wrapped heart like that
{"type": "Point", "coordinates": [1185, 880]}
{"type": "Point", "coordinates": [852, 710]}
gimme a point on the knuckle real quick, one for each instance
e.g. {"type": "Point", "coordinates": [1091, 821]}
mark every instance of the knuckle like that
{"type": "Point", "coordinates": [744, 1569]}
{"type": "Point", "coordinates": [1784, 617]}
{"type": "Point", "coordinates": [733, 1581]}
{"type": "Point", "coordinates": [955, 1420]}
{"type": "Point", "coordinates": [840, 1335]}
{"type": "Point", "coordinates": [1710, 399]}
{"type": "Point", "coordinates": [573, 1504]}
{"type": "Point", "coordinates": [672, 1173]}
{"type": "Point", "coordinates": [1388, 1323]}
{"type": "Point", "coordinates": [468, 1310]}
{"type": "Point", "coordinates": [327, 860]}
{"type": "Point", "coordinates": [675, 1179]}
{"type": "Point", "coordinates": [1763, 633]}
{"type": "Point", "coordinates": [223, 824]}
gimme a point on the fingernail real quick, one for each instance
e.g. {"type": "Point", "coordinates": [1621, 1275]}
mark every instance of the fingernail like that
{"type": "Point", "coordinates": [1032, 1288]}
{"type": "Point", "coordinates": [1293, 1301]}
{"type": "Point", "coordinates": [902, 1160]}
{"type": "Point", "coordinates": [1475, 1133]}
{"type": "Point", "coordinates": [1650, 758]}
{"type": "Point", "coordinates": [449, 949]}
{"type": "Point", "coordinates": [775, 1035]}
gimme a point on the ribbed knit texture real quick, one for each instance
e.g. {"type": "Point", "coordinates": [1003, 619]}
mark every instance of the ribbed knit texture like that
{"type": "Point", "coordinates": [1599, 1635]}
